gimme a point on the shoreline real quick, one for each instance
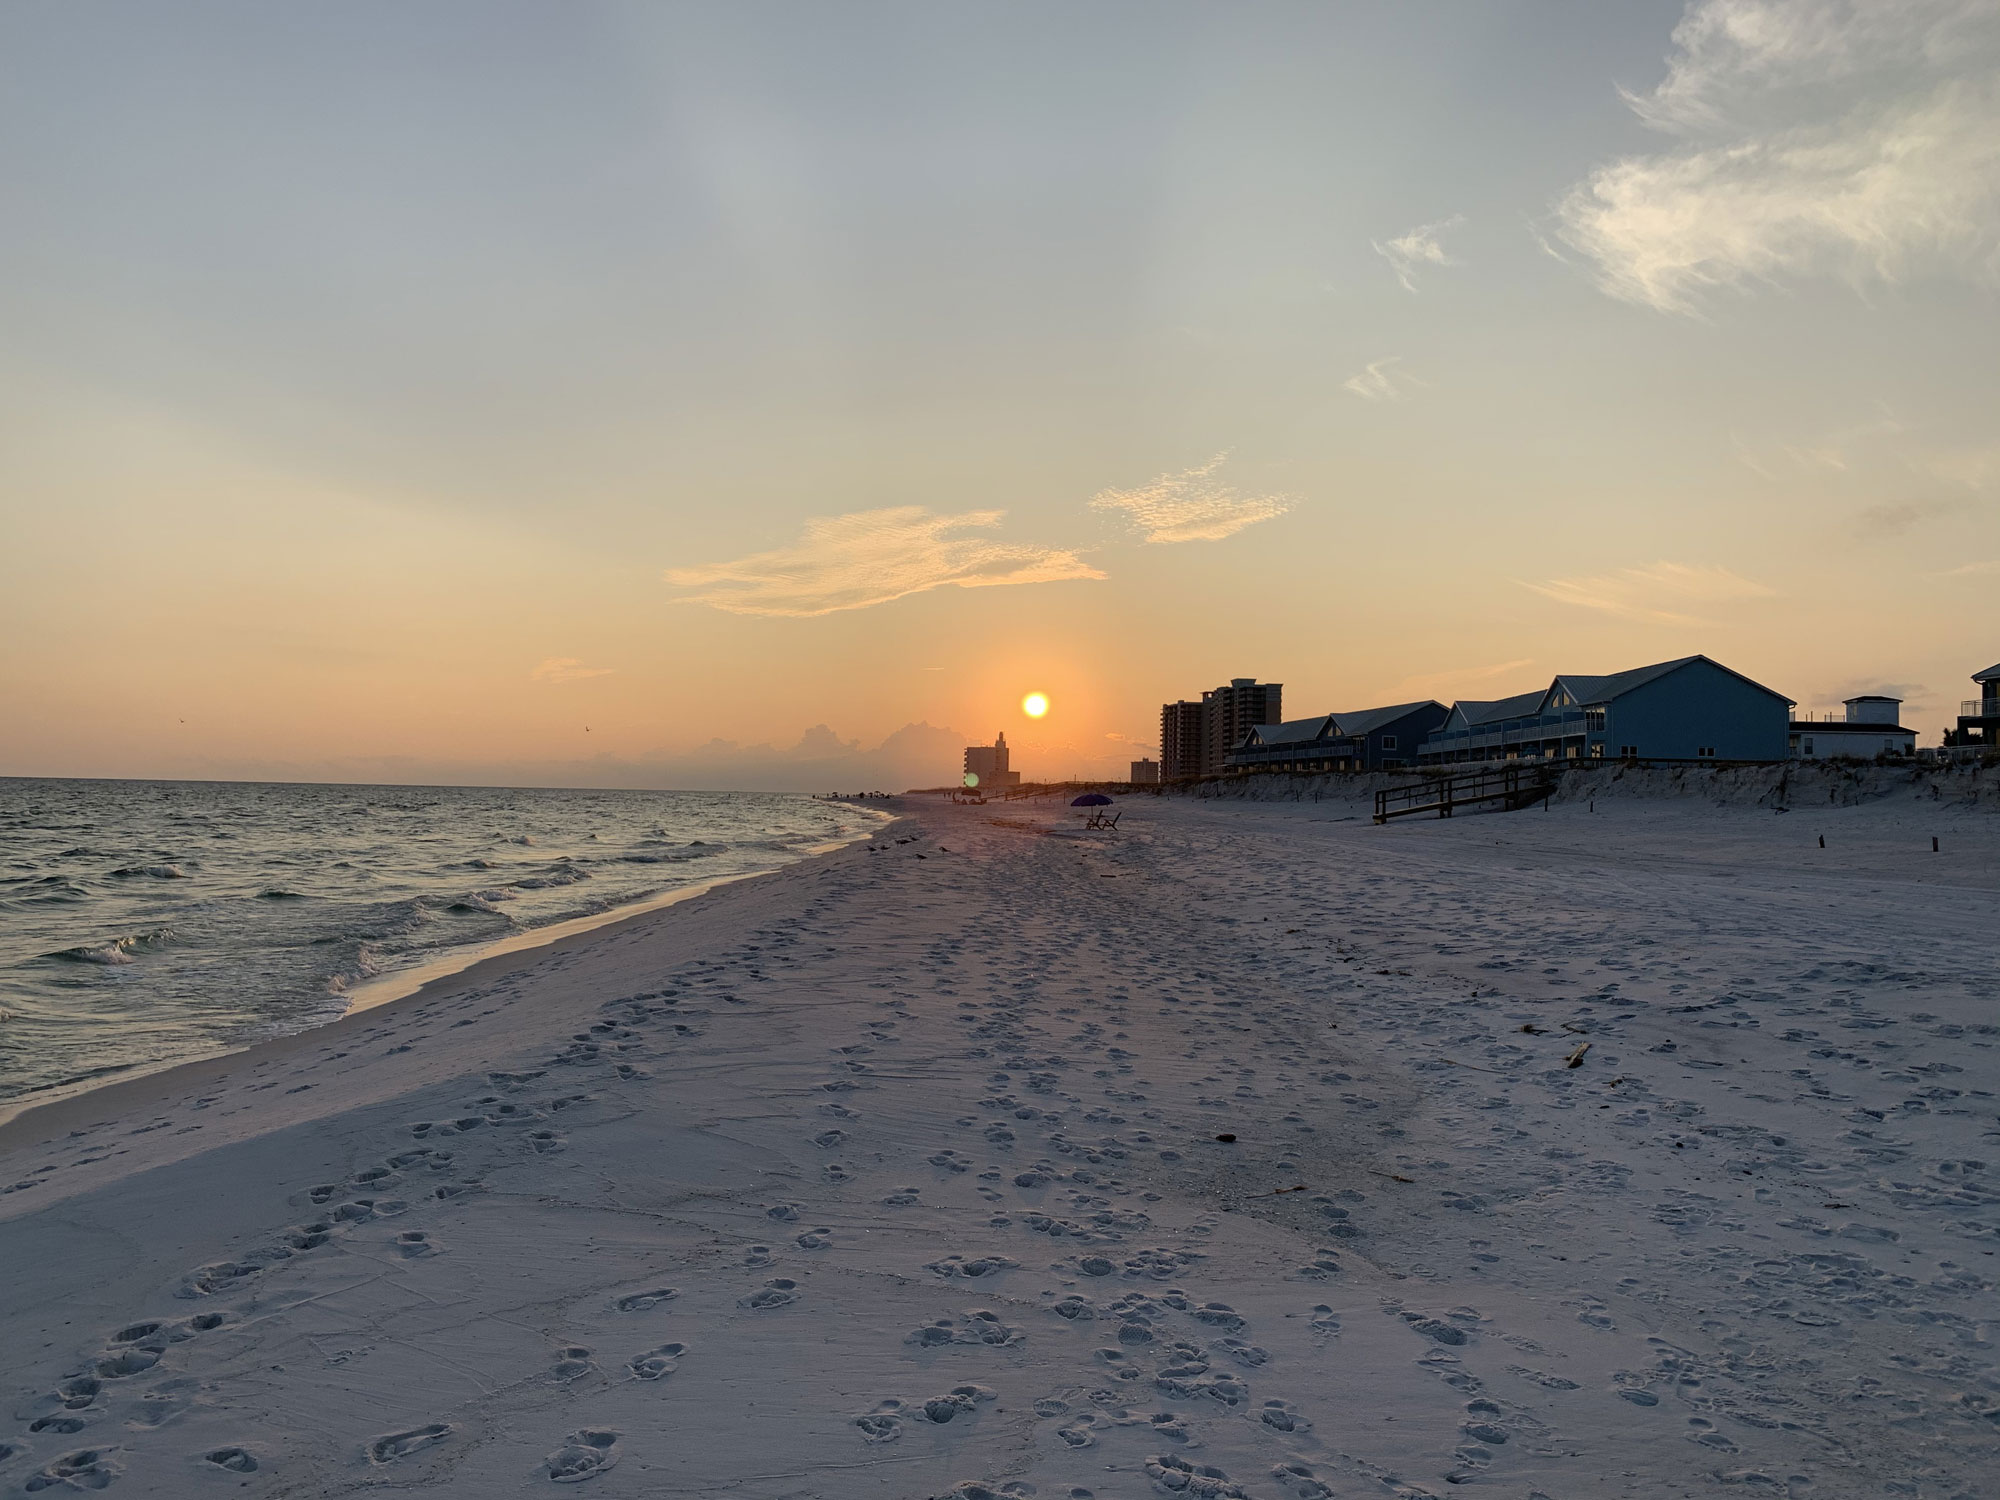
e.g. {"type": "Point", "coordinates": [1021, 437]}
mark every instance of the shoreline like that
{"type": "Point", "coordinates": [385, 989]}
{"type": "Point", "coordinates": [949, 1165]}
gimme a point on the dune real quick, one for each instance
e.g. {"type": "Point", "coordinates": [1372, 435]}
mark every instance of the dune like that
{"type": "Point", "coordinates": [1254, 1151]}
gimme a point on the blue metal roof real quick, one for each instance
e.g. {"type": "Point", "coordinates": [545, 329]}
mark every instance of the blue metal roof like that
{"type": "Point", "coordinates": [1368, 720]}
{"type": "Point", "coordinates": [1474, 713]}
{"type": "Point", "coordinates": [1592, 690]}
{"type": "Point", "coordinates": [1291, 732]}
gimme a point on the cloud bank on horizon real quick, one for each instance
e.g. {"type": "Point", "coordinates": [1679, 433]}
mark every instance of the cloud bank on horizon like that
{"type": "Point", "coordinates": [1858, 139]}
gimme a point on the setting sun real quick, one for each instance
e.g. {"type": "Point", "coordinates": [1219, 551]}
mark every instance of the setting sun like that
{"type": "Point", "coordinates": [1035, 705]}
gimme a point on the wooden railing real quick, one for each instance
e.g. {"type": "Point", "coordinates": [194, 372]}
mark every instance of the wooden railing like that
{"type": "Point", "coordinates": [1513, 787]}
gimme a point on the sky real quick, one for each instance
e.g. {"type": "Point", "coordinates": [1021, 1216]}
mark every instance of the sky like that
{"type": "Point", "coordinates": [772, 395]}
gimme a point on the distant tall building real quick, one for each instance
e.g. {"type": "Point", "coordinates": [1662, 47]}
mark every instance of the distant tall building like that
{"type": "Point", "coordinates": [986, 765]}
{"type": "Point", "coordinates": [1183, 740]}
{"type": "Point", "coordinates": [1194, 737]}
{"type": "Point", "coordinates": [1145, 773]}
{"type": "Point", "coordinates": [1234, 711]}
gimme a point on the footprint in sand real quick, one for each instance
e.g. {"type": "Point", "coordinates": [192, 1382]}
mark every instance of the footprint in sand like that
{"type": "Point", "coordinates": [1250, 1356]}
{"type": "Point", "coordinates": [414, 1244]}
{"type": "Point", "coordinates": [235, 1460]}
{"type": "Point", "coordinates": [958, 1402]}
{"type": "Point", "coordinates": [882, 1425]}
{"type": "Point", "coordinates": [572, 1363]}
{"type": "Point", "coordinates": [977, 1266]}
{"type": "Point", "coordinates": [1301, 1481]}
{"type": "Point", "coordinates": [1173, 1475]}
{"type": "Point", "coordinates": [1279, 1416]}
{"type": "Point", "coordinates": [86, 1469]}
{"type": "Point", "coordinates": [585, 1454]}
{"type": "Point", "coordinates": [1078, 1434]}
{"type": "Point", "coordinates": [657, 1364]}
{"type": "Point", "coordinates": [132, 1360]}
{"type": "Point", "coordinates": [779, 1291]}
{"type": "Point", "coordinates": [394, 1445]}
{"type": "Point", "coordinates": [640, 1301]}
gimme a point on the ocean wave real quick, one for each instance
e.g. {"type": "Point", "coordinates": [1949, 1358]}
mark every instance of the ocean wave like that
{"type": "Point", "coordinates": [276, 894]}
{"type": "Point", "coordinates": [43, 888]}
{"type": "Point", "coordinates": [117, 951]}
{"type": "Point", "coordinates": [555, 876]}
{"type": "Point", "coordinates": [156, 872]}
{"type": "Point", "coordinates": [680, 856]}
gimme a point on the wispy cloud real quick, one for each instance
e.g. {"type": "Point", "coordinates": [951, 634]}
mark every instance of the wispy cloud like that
{"type": "Point", "coordinates": [1974, 468]}
{"type": "Point", "coordinates": [1855, 138]}
{"type": "Point", "coordinates": [1972, 570]}
{"type": "Point", "coordinates": [566, 669]}
{"type": "Point", "coordinates": [1191, 506]}
{"type": "Point", "coordinates": [1893, 519]}
{"type": "Point", "coordinates": [1418, 249]}
{"type": "Point", "coordinates": [871, 557]}
{"type": "Point", "coordinates": [1382, 381]}
{"type": "Point", "coordinates": [1436, 682]}
{"type": "Point", "coordinates": [1660, 594]}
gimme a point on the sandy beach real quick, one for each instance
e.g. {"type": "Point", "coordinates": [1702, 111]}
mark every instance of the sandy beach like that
{"type": "Point", "coordinates": [1646, 1150]}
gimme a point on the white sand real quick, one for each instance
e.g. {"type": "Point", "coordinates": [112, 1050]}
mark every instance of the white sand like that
{"type": "Point", "coordinates": [887, 1174]}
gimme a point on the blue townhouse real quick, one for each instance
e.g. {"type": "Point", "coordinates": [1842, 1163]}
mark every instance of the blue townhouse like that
{"type": "Point", "coordinates": [1689, 709]}
{"type": "Point", "coordinates": [1373, 739]}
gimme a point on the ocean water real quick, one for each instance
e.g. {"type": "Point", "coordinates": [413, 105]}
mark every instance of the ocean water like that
{"type": "Point", "coordinates": [143, 923]}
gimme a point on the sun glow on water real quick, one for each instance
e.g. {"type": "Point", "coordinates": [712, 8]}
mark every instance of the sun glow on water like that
{"type": "Point", "coordinates": [1035, 705]}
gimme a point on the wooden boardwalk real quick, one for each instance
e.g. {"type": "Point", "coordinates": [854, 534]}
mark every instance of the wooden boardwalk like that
{"type": "Point", "coordinates": [1512, 787]}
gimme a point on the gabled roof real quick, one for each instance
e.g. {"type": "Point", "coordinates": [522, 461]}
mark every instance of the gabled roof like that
{"type": "Point", "coordinates": [1591, 690]}
{"type": "Point", "coordinates": [1291, 732]}
{"type": "Point", "coordinates": [1475, 713]}
{"type": "Point", "coordinates": [1603, 689]}
{"type": "Point", "coordinates": [1991, 674]}
{"type": "Point", "coordinates": [1368, 720]}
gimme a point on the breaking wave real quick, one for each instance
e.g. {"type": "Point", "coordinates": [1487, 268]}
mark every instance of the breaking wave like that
{"type": "Point", "coordinates": [117, 951]}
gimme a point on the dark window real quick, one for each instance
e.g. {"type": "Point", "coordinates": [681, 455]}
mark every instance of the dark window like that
{"type": "Point", "coordinates": [1388, 742]}
{"type": "Point", "coordinates": [1593, 720]}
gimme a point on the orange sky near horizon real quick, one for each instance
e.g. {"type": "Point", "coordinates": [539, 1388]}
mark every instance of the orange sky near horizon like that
{"type": "Point", "coordinates": [604, 396]}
